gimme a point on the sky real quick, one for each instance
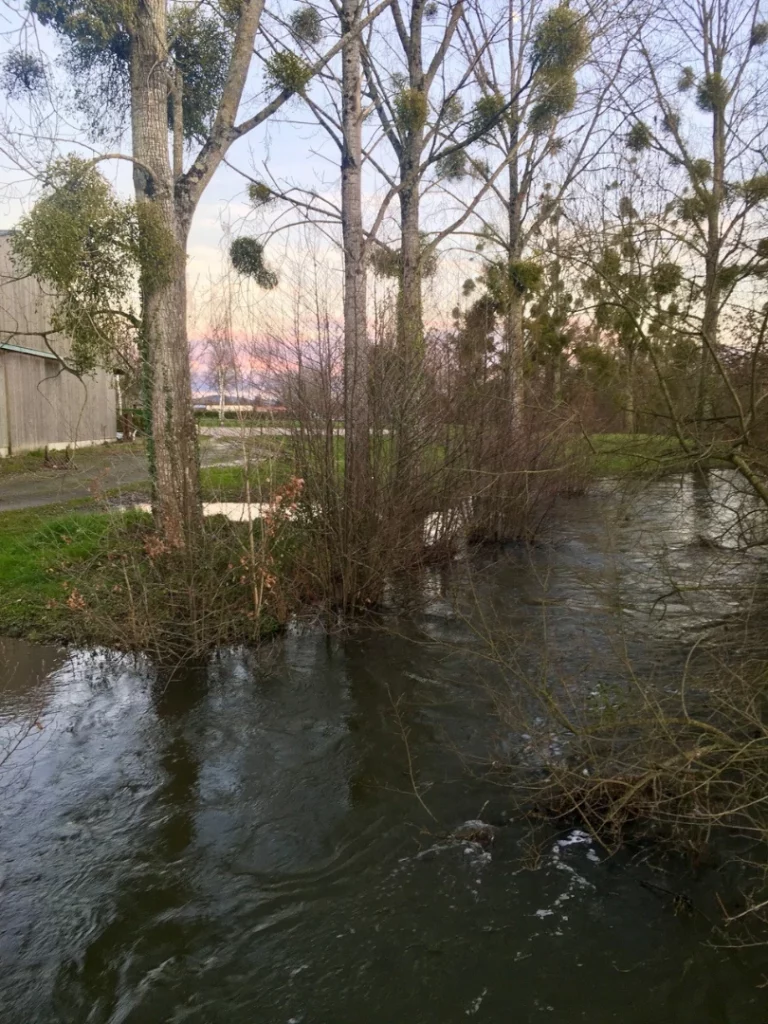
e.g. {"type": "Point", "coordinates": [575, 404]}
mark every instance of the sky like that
{"type": "Point", "coordinates": [290, 149]}
{"type": "Point", "coordinates": [294, 153]}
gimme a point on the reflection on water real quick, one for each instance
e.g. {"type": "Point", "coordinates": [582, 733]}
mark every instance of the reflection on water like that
{"type": "Point", "coordinates": [239, 843]}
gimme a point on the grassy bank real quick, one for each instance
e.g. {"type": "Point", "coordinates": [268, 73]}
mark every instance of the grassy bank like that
{"type": "Point", "coordinates": [85, 572]}
{"type": "Point", "coordinates": [234, 483]}
{"type": "Point", "coordinates": [638, 455]}
{"type": "Point", "coordinates": [39, 550]}
{"type": "Point", "coordinates": [81, 574]}
{"type": "Point", "coordinates": [245, 422]}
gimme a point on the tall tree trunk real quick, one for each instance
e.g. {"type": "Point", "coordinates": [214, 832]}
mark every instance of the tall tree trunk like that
{"type": "Point", "coordinates": [711, 318]}
{"type": "Point", "coordinates": [630, 423]}
{"type": "Point", "coordinates": [222, 387]}
{"type": "Point", "coordinates": [555, 372]}
{"type": "Point", "coordinates": [176, 484]}
{"type": "Point", "coordinates": [514, 343]}
{"type": "Point", "coordinates": [356, 418]}
{"type": "Point", "coordinates": [410, 335]}
{"type": "Point", "coordinates": [505, 428]}
{"type": "Point", "coordinates": [410, 321]}
{"type": "Point", "coordinates": [709, 327]}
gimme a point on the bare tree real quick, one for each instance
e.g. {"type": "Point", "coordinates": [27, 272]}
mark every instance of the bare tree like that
{"type": "Point", "coordinates": [221, 365]}
{"type": "Point", "coordinates": [356, 361]}
{"type": "Point", "coordinates": [558, 66]}
{"type": "Point", "coordinates": [403, 108]}
{"type": "Point", "coordinates": [694, 94]}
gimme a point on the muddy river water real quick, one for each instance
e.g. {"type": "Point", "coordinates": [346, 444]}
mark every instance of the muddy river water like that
{"type": "Point", "coordinates": [241, 843]}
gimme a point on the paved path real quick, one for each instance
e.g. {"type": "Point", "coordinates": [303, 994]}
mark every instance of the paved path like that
{"type": "Point", "coordinates": [97, 469]}
{"type": "Point", "coordinates": [108, 467]}
{"type": "Point", "coordinates": [258, 431]}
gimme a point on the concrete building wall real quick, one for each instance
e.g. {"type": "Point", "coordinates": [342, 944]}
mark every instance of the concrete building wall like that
{"type": "Point", "coordinates": [4, 417]}
{"type": "Point", "coordinates": [41, 403]}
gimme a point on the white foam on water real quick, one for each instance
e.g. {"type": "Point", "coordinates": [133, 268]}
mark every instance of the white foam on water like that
{"type": "Point", "coordinates": [576, 882]}
{"type": "Point", "coordinates": [475, 1005]}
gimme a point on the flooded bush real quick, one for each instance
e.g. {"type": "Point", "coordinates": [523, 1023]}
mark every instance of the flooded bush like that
{"type": "Point", "coordinates": [629, 682]}
{"type": "Point", "coordinates": [688, 769]}
{"type": "Point", "coordinates": [435, 461]}
{"type": "Point", "coordinates": [241, 584]}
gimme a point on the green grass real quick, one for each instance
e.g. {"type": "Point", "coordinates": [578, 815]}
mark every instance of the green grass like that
{"type": "Point", "coordinates": [81, 548]}
{"type": "Point", "coordinates": [90, 456]}
{"type": "Point", "coordinates": [28, 462]}
{"type": "Point", "coordinates": [74, 575]}
{"type": "Point", "coordinates": [636, 454]}
{"type": "Point", "coordinates": [248, 422]}
{"type": "Point", "coordinates": [228, 483]}
{"type": "Point", "coordinates": [34, 461]}
{"type": "Point", "coordinates": [39, 549]}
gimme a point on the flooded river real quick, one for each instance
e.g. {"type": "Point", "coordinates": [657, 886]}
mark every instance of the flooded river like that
{"type": "Point", "coordinates": [241, 843]}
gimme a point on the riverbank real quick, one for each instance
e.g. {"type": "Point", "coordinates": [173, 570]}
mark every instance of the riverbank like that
{"type": "Point", "coordinates": [31, 479]}
{"type": "Point", "coordinates": [73, 575]}
{"type": "Point", "coordinates": [93, 571]}
{"type": "Point", "coordinates": [64, 564]}
{"type": "Point", "coordinates": [651, 455]}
